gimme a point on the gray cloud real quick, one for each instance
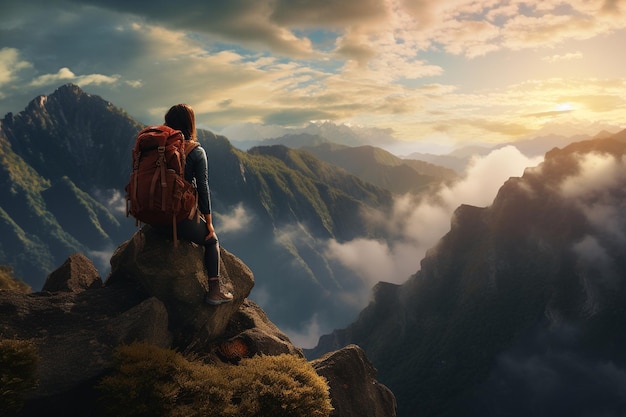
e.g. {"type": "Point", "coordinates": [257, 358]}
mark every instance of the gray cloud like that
{"type": "Point", "coordinates": [257, 21]}
{"type": "Point", "coordinates": [355, 49]}
{"type": "Point", "coordinates": [239, 21]}
{"type": "Point", "coordinates": [328, 13]}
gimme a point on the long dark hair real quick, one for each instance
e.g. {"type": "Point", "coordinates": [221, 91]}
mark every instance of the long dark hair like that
{"type": "Point", "coordinates": [181, 117]}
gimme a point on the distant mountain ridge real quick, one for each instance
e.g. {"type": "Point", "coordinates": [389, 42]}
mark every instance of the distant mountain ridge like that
{"type": "Point", "coordinates": [373, 164]}
{"type": "Point", "coordinates": [384, 169]}
{"type": "Point", "coordinates": [248, 135]}
{"type": "Point", "coordinates": [329, 136]}
{"type": "Point", "coordinates": [519, 310]}
{"type": "Point", "coordinates": [459, 159]}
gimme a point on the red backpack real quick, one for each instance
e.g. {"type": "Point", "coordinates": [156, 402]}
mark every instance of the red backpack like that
{"type": "Point", "coordinates": [157, 192]}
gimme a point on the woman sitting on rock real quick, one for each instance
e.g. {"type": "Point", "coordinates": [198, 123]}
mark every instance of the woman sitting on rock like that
{"type": "Point", "coordinates": [181, 117]}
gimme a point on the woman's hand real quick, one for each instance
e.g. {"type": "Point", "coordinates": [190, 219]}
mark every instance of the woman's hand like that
{"type": "Point", "coordinates": [209, 226]}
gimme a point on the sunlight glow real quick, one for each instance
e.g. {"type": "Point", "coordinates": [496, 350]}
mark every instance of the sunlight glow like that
{"type": "Point", "coordinates": [564, 107]}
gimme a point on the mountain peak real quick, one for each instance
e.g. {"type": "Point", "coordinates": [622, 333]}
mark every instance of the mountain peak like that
{"type": "Point", "coordinates": [69, 88]}
{"type": "Point", "coordinates": [67, 93]}
{"type": "Point", "coordinates": [73, 133]}
{"type": "Point", "coordinates": [71, 92]}
{"type": "Point", "coordinates": [67, 96]}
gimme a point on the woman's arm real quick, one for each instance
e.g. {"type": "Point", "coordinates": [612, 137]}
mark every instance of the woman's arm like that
{"type": "Point", "coordinates": [209, 226]}
{"type": "Point", "coordinates": [200, 172]}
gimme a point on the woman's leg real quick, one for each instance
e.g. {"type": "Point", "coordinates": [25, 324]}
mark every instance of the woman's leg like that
{"type": "Point", "coordinates": [196, 231]}
{"type": "Point", "coordinates": [211, 256]}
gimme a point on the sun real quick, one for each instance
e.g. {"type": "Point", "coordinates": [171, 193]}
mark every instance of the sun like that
{"type": "Point", "coordinates": [564, 107]}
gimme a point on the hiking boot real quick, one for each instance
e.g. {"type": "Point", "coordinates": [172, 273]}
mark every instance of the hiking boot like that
{"type": "Point", "coordinates": [220, 299]}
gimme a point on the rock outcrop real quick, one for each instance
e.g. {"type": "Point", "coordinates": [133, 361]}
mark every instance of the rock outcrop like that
{"type": "Point", "coordinates": [76, 274]}
{"type": "Point", "coordinates": [355, 392]}
{"type": "Point", "coordinates": [176, 276]}
{"type": "Point", "coordinates": [154, 294]}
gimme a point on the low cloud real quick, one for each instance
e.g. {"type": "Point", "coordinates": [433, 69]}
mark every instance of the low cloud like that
{"type": "Point", "coordinates": [370, 259]}
{"type": "Point", "coordinates": [597, 272]}
{"type": "Point", "coordinates": [309, 295]}
{"type": "Point", "coordinates": [101, 259]}
{"type": "Point", "coordinates": [413, 226]}
{"type": "Point", "coordinates": [598, 191]}
{"type": "Point", "coordinates": [63, 75]}
{"type": "Point", "coordinates": [112, 199]}
{"type": "Point", "coordinates": [307, 336]}
{"type": "Point", "coordinates": [416, 224]}
{"type": "Point", "coordinates": [238, 219]}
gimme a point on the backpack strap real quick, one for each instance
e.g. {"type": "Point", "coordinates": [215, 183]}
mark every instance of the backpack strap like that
{"type": "Point", "coordinates": [136, 155]}
{"type": "Point", "coordinates": [174, 231]}
{"type": "Point", "coordinates": [190, 145]}
{"type": "Point", "coordinates": [162, 162]}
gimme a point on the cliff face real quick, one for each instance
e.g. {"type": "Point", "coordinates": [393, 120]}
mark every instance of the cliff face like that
{"type": "Point", "coordinates": [529, 288]}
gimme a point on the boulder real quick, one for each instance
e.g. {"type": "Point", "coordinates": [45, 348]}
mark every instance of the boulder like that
{"type": "Point", "coordinates": [76, 274]}
{"type": "Point", "coordinates": [75, 333]}
{"type": "Point", "coordinates": [249, 333]}
{"type": "Point", "coordinates": [354, 390]}
{"type": "Point", "coordinates": [177, 277]}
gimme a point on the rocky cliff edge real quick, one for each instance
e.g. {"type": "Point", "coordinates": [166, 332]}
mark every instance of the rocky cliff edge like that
{"type": "Point", "coordinates": [154, 294]}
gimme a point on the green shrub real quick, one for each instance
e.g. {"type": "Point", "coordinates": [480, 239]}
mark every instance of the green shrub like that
{"type": "Point", "coordinates": [144, 382]}
{"type": "Point", "coordinates": [149, 381]}
{"type": "Point", "coordinates": [280, 386]}
{"type": "Point", "coordinates": [18, 366]}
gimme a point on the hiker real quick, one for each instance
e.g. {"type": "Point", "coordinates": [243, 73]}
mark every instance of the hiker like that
{"type": "Point", "coordinates": [198, 230]}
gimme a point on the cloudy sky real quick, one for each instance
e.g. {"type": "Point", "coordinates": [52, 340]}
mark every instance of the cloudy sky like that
{"type": "Point", "coordinates": [432, 71]}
